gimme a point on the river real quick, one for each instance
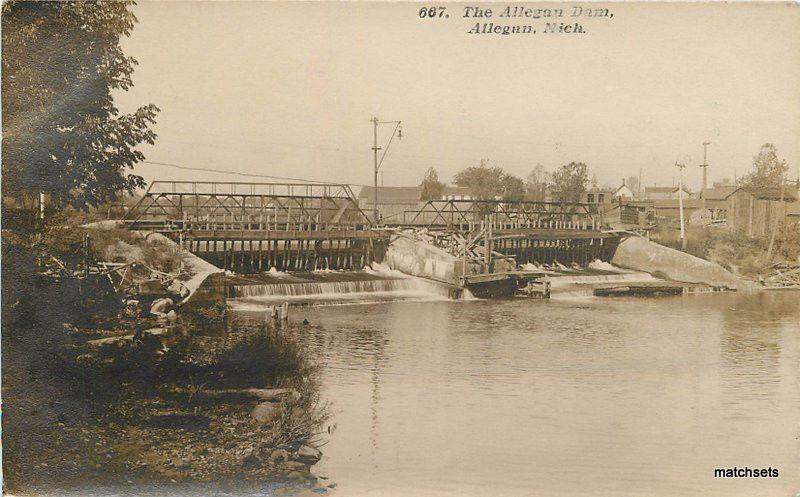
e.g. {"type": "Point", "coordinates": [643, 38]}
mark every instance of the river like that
{"type": "Point", "coordinates": [591, 397]}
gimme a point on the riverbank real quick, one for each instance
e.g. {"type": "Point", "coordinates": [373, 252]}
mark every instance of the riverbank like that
{"type": "Point", "coordinates": [745, 257]}
{"type": "Point", "coordinates": [100, 393]}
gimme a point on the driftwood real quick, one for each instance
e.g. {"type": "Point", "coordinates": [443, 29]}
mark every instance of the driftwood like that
{"type": "Point", "coordinates": [260, 394]}
{"type": "Point", "coordinates": [117, 340]}
{"type": "Point", "coordinates": [781, 275]}
{"type": "Point", "coordinates": [638, 290]}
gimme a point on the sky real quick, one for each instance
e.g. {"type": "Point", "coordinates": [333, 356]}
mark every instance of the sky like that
{"type": "Point", "coordinates": [288, 89]}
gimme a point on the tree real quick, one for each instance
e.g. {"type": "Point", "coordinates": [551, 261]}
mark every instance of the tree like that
{"type": "Point", "coordinates": [513, 187]}
{"type": "Point", "coordinates": [632, 182]}
{"type": "Point", "coordinates": [768, 169]}
{"type": "Point", "coordinates": [62, 133]}
{"type": "Point", "coordinates": [536, 183]}
{"type": "Point", "coordinates": [538, 175]}
{"type": "Point", "coordinates": [432, 188]}
{"type": "Point", "coordinates": [569, 182]}
{"type": "Point", "coordinates": [490, 183]}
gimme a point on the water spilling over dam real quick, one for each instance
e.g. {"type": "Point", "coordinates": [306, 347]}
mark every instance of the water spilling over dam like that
{"type": "Point", "coordinates": [330, 287]}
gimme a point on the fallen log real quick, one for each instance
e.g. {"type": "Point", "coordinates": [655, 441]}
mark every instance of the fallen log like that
{"type": "Point", "coordinates": [260, 394]}
{"type": "Point", "coordinates": [117, 340]}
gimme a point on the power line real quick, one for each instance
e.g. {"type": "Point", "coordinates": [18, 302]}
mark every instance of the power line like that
{"type": "Point", "coordinates": [238, 173]}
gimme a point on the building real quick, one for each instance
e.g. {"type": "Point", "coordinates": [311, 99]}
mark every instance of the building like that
{"type": "Point", "coordinates": [623, 192]}
{"type": "Point", "coordinates": [601, 197]}
{"type": "Point", "coordinates": [456, 193]}
{"type": "Point", "coordinates": [716, 200]}
{"type": "Point", "coordinates": [665, 192]}
{"type": "Point", "coordinates": [669, 209]}
{"type": "Point", "coordinates": [630, 215]}
{"type": "Point", "coordinates": [392, 200]}
{"type": "Point", "coordinates": [753, 211]}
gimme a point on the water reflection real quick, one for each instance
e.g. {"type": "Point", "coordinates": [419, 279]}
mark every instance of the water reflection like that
{"type": "Point", "coordinates": [611, 397]}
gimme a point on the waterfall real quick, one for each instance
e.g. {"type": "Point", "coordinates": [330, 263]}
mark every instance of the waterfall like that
{"type": "Point", "coordinates": [582, 286]}
{"type": "Point", "coordinates": [338, 291]}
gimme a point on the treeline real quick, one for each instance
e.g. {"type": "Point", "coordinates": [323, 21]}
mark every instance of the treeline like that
{"type": "Point", "coordinates": [486, 182]}
{"type": "Point", "coordinates": [569, 181]}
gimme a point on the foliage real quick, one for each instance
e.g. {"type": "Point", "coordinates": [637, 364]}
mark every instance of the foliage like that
{"type": "Point", "coordinates": [537, 176]}
{"type": "Point", "coordinates": [536, 183]}
{"type": "Point", "coordinates": [490, 183]}
{"type": "Point", "coordinates": [123, 245]}
{"type": "Point", "coordinates": [742, 255]}
{"type": "Point", "coordinates": [768, 169]}
{"type": "Point", "coordinates": [632, 182]}
{"type": "Point", "coordinates": [432, 188]}
{"type": "Point", "coordinates": [62, 133]}
{"type": "Point", "coordinates": [568, 182]}
{"type": "Point", "coordinates": [259, 358]}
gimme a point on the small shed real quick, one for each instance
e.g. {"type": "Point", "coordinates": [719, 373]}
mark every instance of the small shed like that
{"type": "Point", "coordinates": [753, 211]}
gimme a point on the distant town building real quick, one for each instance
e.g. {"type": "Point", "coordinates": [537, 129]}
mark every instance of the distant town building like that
{"type": "Point", "coordinates": [393, 201]}
{"type": "Point", "coordinates": [670, 209]}
{"type": "Point", "coordinates": [623, 192]}
{"type": "Point", "coordinates": [456, 193]}
{"type": "Point", "coordinates": [601, 197]}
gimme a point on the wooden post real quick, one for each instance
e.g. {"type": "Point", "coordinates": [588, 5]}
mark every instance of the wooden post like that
{"type": "Point", "coordinates": [86, 255]}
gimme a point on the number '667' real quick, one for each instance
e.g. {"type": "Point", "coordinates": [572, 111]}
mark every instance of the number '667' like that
{"type": "Point", "coordinates": [431, 12]}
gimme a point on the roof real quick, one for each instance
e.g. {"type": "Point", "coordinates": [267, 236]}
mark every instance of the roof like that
{"type": "Point", "coordinates": [456, 190]}
{"type": "Point", "coordinates": [620, 187]}
{"type": "Point", "coordinates": [664, 189]}
{"type": "Point", "coordinates": [769, 193]}
{"type": "Point", "coordinates": [673, 203]}
{"type": "Point", "coordinates": [717, 193]}
{"type": "Point", "coordinates": [392, 194]}
{"type": "Point", "coordinates": [600, 190]}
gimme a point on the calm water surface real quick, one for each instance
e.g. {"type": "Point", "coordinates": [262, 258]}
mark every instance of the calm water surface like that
{"type": "Point", "coordinates": [595, 397]}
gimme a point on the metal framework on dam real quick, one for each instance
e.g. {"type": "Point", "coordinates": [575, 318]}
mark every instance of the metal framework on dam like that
{"type": "Point", "coordinates": [251, 227]}
{"type": "Point", "coordinates": [530, 231]}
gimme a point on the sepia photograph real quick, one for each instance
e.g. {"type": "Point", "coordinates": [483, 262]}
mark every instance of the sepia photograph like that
{"type": "Point", "coordinates": [400, 249]}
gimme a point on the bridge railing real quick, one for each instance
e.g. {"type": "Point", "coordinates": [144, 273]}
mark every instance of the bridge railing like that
{"type": "Point", "coordinates": [466, 214]}
{"type": "Point", "coordinates": [249, 203]}
{"type": "Point", "coordinates": [309, 190]}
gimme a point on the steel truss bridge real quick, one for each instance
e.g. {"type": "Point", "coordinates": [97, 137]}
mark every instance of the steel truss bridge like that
{"type": "Point", "coordinates": [530, 231]}
{"type": "Point", "coordinates": [251, 227]}
{"type": "Point", "coordinates": [255, 226]}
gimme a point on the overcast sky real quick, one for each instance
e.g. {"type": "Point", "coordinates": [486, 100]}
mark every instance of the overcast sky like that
{"type": "Point", "coordinates": [288, 89]}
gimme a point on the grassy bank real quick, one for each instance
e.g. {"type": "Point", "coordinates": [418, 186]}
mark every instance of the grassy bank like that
{"type": "Point", "coordinates": [95, 398]}
{"type": "Point", "coordinates": [739, 254]}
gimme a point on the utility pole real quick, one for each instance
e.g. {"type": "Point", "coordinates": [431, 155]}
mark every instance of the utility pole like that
{"type": "Point", "coordinates": [704, 165]}
{"type": "Point", "coordinates": [375, 190]}
{"type": "Point", "coordinates": [639, 185]}
{"type": "Point", "coordinates": [680, 203]}
{"type": "Point", "coordinates": [397, 131]}
{"type": "Point", "coordinates": [777, 220]}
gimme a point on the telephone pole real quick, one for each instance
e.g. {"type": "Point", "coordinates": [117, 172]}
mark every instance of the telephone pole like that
{"type": "Point", "coordinates": [704, 165]}
{"type": "Point", "coordinates": [680, 202]}
{"type": "Point", "coordinates": [397, 131]}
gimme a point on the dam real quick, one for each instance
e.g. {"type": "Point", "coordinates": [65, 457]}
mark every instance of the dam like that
{"type": "Point", "coordinates": [250, 228]}
{"type": "Point", "coordinates": [312, 241]}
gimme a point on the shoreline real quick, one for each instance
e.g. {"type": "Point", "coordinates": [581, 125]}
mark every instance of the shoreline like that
{"type": "Point", "coordinates": [81, 406]}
